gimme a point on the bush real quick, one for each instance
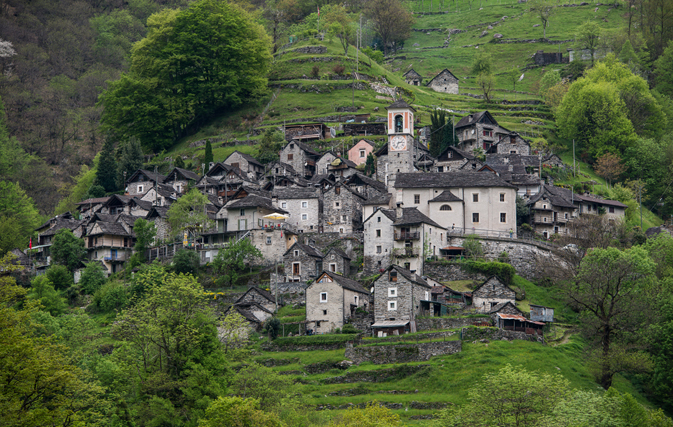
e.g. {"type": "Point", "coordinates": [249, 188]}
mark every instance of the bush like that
{"type": "Point", "coordinates": [186, 262]}
{"type": "Point", "coordinates": [472, 246]}
{"type": "Point", "coordinates": [93, 277]}
{"type": "Point", "coordinates": [504, 271]}
{"type": "Point", "coordinates": [315, 71]}
{"type": "Point", "coordinates": [272, 327]}
{"type": "Point", "coordinates": [111, 296]}
{"type": "Point", "coordinates": [339, 69]}
{"type": "Point", "coordinates": [60, 277]}
{"type": "Point", "coordinates": [503, 257]}
{"type": "Point", "coordinates": [349, 329]}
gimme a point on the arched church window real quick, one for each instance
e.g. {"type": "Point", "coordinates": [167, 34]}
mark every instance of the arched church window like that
{"type": "Point", "coordinates": [445, 208]}
{"type": "Point", "coordinates": [399, 124]}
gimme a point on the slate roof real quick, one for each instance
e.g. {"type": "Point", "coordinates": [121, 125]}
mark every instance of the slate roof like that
{"type": "Point", "coordinates": [255, 201]}
{"type": "Point", "coordinates": [411, 216]}
{"type": "Point", "coordinates": [383, 199]}
{"type": "Point", "coordinates": [440, 73]}
{"type": "Point", "coordinates": [264, 293]}
{"type": "Point", "coordinates": [150, 175]}
{"type": "Point", "coordinates": [346, 282]}
{"type": "Point", "coordinates": [412, 73]}
{"type": "Point", "coordinates": [296, 193]}
{"type": "Point", "coordinates": [412, 277]}
{"type": "Point", "coordinates": [590, 199]}
{"type": "Point", "coordinates": [450, 180]}
{"type": "Point", "coordinates": [557, 196]}
{"type": "Point", "coordinates": [446, 196]}
{"type": "Point", "coordinates": [304, 147]}
{"type": "Point", "coordinates": [247, 157]}
{"type": "Point", "coordinates": [339, 252]}
{"type": "Point", "coordinates": [97, 200]}
{"type": "Point", "coordinates": [500, 306]}
{"type": "Point", "coordinates": [184, 172]}
{"type": "Point", "coordinates": [309, 250]}
{"type": "Point", "coordinates": [112, 228]}
{"type": "Point", "coordinates": [471, 119]}
{"type": "Point", "coordinates": [158, 211]}
{"type": "Point", "coordinates": [344, 161]}
{"type": "Point", "coordinates": [378, 185]}
{"type": "Point", "coordinates": [62, 223]}
{"type": "Point", "coordinates": [400, 103]}
{"type": "Point", "coordinates": [502, 282]}
{"type": "Point", "coordinates": [319, 178]}
{"type": "Point", "coordinates": [142, 203]}
{"type": "Point", "coordinates": [279, 164]}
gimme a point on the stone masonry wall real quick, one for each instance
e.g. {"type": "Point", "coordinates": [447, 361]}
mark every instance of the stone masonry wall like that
{"type": "Point", "coordinates": [473, 334]}
{"type": "Point", "coordinates": [450, 272]}
{"type": "Point", "coordinates": [403, 353]}
{"type": "Point", "coordinates": [435, 323]}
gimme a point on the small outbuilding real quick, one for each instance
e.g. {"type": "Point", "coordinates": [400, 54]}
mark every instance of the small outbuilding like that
{"type": "Point", "coordinates": [541, 313]}
{"type": "Point", "coordinates": [413, 78]}
{"type": "Point", "coordinates": [445, 82]}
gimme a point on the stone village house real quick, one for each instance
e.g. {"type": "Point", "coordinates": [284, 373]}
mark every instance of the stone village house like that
{"type": "Point", "coordinates": [301, 157]}
{"type": "Point", "coordinates": [411, 77]}
{"type": "Point", "coordinates": [302, 263]}
{"type": "Point", "coordinates": [444, 82]}
{"type": "Point", "coordinates": [491, 293]}
{"type": "Point", "coordinates": [141, 181]}
{"type": "Point", "coordinates": [331, 300]}
{"type": "Point", "coordinates": [342, 209]}
{"type": "Point", "coordinates": [246, 164]}
{"type": "Point", "coordinates": [397, 301]}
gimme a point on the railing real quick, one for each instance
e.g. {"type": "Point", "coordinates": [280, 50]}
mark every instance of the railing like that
{"type": "Point", "coordinates": [498, 234]}
{"type": "Point", "coordinates": [117, 257]}
{"type": "Point", "coordinates": [406, 252]}
{"type": "Point", "coordinates": [409, 235]}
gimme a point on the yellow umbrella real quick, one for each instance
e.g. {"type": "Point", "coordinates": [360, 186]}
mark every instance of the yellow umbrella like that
{"type": "Point", "coordinates": [276, 216]}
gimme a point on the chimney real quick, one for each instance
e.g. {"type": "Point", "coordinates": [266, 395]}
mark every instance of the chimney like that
{"type": "Point", "coordinates": [398, 210]}
{"type": "Point", "coordinates": [210, 165]}
{"type": "Point", "coordinates": [274, 200]}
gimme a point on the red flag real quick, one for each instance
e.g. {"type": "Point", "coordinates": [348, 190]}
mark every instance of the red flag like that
{"type": "Point", "coordinates": [318, 11]}
{"type": "Point", "coordinates": [30, 243]}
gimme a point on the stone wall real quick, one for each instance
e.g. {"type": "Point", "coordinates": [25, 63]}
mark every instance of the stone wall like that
{"type": "Point", "coordinates": [494, 334]}
{"type": "Point", "coordinates": [542, 58]}
{"type": "Point", "coordinates": [288, 287]}
{"type": "Point", "coordinates": [347, 216]}
{"type": "Point", "coordinates": [449, 272]}
{"type": "Point", "coordinates": [435, 323]}
{"type": "Point", "coordinates": [403, 353]}
{"type": "Point", "coordinates": [315, 50]}
{"type": "Point", "coordinates": [524, 256]}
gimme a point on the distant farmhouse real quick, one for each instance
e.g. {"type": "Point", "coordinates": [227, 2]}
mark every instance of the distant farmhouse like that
{"type": "Point", "coordinates": [444, 82]}
{"type": "Point", "coordinates": [412, 78]}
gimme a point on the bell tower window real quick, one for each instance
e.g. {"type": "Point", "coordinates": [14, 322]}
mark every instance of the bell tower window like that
{"type": "Point", "coordinates": [399, 124]}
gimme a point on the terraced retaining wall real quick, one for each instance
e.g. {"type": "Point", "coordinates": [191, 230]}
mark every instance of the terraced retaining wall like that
{"type": "Point", "coordinates": [403, 353]}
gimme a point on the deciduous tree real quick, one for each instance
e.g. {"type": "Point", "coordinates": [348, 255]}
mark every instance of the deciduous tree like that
{"type": "Point", "coordinates": [340, 25]}
{"type": "Point", "coordinates": [609, 166]}
{"type": "Point", "coordinates": [238, 412]}
{"type": "Point", "coordinates": [231, 261]}
{"type": "Point", "coordinates": [67, 249]}
{"type": "Point", "coordinates": [612, 292]}
{"type": "Point", "coordinates": [93, 277]}
{"type": "Point", "coordinates": [391, 20]}
{"type": "Point", "coordinates": [588, 37]}
{"type": "Point", "coordinates": [544, 9]}
{"type": "Point", "coordinates": [145, 232]}
{"type": "Point", "coordinates": [188, 214]}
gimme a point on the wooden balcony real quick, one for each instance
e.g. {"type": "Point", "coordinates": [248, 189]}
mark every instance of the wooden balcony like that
{"type": "Point", "coordinates": [406, 252]}
{"type": "Point", "coordinates": [408, 235]}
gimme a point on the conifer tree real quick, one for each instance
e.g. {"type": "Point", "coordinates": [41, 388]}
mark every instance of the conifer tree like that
{"type": "Point", "coordinates": [209, 154]}
{"type": "Point", "coordinates": [130, 160]}
{"type": "Point", "coordinates": [106, 173]}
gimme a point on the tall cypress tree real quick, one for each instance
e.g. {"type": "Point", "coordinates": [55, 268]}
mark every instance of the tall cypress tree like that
{"type": "Point", "coordinates": [130, 160]}
{"type": "Point", "coordinates": [209, 154]}
{"type": "Point", "coordinates": [106, 174]}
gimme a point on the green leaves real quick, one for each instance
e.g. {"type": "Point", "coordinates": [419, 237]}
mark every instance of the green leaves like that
{"type": "Point", "coordinates": [193, 63]}
{"type": "Point", "coordinates": [67, 249]}
{"type": "Point", "coordinates": [188, 214]}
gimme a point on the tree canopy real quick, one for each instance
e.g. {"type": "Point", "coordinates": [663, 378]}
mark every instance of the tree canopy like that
{"type": "Point", "coordinates": [193, 63]}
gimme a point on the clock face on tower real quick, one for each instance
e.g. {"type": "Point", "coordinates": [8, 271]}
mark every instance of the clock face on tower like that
{"type": "Point", "coordinates": [398, 143]}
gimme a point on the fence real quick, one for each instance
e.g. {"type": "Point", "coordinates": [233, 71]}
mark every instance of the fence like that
{"type": "Point", "coordinates": [459, 232]}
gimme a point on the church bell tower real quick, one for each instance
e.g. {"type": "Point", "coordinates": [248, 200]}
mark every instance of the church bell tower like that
{"type": "Point", "coordinates": [400, 141]}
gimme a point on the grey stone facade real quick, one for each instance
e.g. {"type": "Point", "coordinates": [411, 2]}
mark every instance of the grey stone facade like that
{"type": "Point", "coordinates": [397, 295]}
{"type": "Point", "coordinates": [379, 239]}
{"type": "Point", "coordinates": [245, 163]}
{"type": "Point", "coordinates": [303, 204]}
{"type": "Point", "coordinates": [337, 261]}
{"type": "Point", "coordinates": [331, 300]}
{"type": "Point", "coordinates": [491, 293]}
{"type": "Point", "coordinates": [301, 157]}
{"type": "Point", "coordinates": [444, 82]}
{"type": "Point", "coordinates": [324, 161]}
{"type": "Point", "coordinates": [342, 209]}
{"type": "Point", "coordinates": [302, 263]}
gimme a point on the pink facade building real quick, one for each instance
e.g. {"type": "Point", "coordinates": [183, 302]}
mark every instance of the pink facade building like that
{"type": "Point", "coordinates": [359, 152]}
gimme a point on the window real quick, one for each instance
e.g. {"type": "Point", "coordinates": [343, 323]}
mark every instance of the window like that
{"type": "Point", "coordinates": [242, 212]}
{"type": "Point", "coordinates": [611, 209]}
{"type": "Point", "coordinates": [292, 146]}
{"type": "Point", "coordinates": [277, 170]}
{"type": "Point", "coordinates": [283, 205]}
{"type": "Point", "coordinates": [512, 152]}
{"type": "Point", "coordinates": [475, 197]}
{"type": "Point", "coordinates": [332, 268]}
{"type": "Point", "coordinates": [445, 208]}
{"type": "Point", "coordinates": [140, 189]}
{"type": "Point", "coordinates": [235, 165]}
{"type": "Point", "coordinates": [503, 217]}
{"type": "Point", "coordinates": [449, 154]}
{"type": "Point", "coordinates": [440, 168]}
{"type": "Point", "coordinates": [324, 312]}
{"type": "Point", "coordinates": [296, 270]}
{"type": "Point", "coordinates": [296, 253]}
{"type": "Point", "coordinates": [417, 199]}
{"type": "Point", "coordinates": [475, 217]}
{"type": "Point", "coordinates": [290, 156]}
{"type": "Point", "coordinates": [356, 299]}
{"type": "Point", "coordinates": [341, 230]}
{"type": "Point", "coordinates": [337, 189]}
{"type": "Point", "coordinates": [378, 249]}
{"type": "Point", "coordinates": [407, 265]}
{"type": "Point", "coordinates": [268, 240]}
{"type": "Point", "coordinates": [392, 305]}
{"type": "Point", "coordinates": [566, 215]}
{"type": "Point", "coordinates": [378, 233]}
{"type": "Point", "coordinates": [399, 124]}
{"type": "Point", "coordinates": [392, 292]}
{"type": "Point", "coordinates": [378, 219]}
{"type": "Point", "coordinates": [362, 153]}
{"type": "Point", "coordinates": [392, 276]}
{"type": "Point", "coordinates": [323, 296]}
{"type": "Point", "coordinates": [544, 206]}
{"type": "Point", "coordinates": [304, 217]}
{"type": "Point", "coordinates": [344, 218]}
{"type": "Point", "coordinates": [502, 197]}
{"type": "Point", "coordinates": [304, 205]}
{"type": "Point", "coordinates": [337, 205]}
